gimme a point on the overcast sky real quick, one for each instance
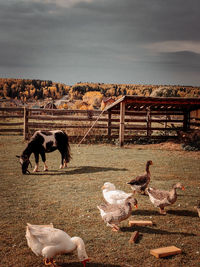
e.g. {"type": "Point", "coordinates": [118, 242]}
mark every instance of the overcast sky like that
{"type": "Point", "coordinates": [106, 41]}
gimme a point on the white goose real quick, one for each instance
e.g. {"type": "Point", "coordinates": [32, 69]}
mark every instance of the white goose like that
{"type": "Point", "coordinates": [113, 195]}
{"type": "Point", "coordinates": [48, 241]}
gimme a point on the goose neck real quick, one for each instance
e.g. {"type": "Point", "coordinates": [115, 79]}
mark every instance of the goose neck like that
{"type": "Point", "coordinates": [82, 255]}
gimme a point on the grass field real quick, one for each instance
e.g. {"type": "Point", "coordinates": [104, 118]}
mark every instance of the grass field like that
{"type": "Point", "coordinates": [68, 198]}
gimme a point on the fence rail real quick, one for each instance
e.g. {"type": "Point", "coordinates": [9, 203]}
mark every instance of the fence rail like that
{"type": "Point", "coordinates": [76, 122]}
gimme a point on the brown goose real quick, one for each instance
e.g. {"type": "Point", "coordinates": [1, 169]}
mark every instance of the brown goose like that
{"type": "Point", "coordinates": [162, 198]}
{"type": "Point", "coordinates": [113, 214]}
{"type": "Point", "coordinates": [141, 182]}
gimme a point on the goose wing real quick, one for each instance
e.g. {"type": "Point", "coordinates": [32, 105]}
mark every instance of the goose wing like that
{"type": "Point", "coordinates": [106, 207]}
{"type": "Point", "coordinates": [139, 180]}
{"type": "Point", "coordinates": [114, 213]}
{"type": "Point", "coordinates": [158, 194]}
{"type": "Point", "coordinates": [119, 195]}
{"type": "Point", "coordinates": [46, 235]}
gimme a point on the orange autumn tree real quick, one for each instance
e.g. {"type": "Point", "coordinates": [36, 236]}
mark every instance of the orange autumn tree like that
{"type": "Point", "coordinates": [93, 99]}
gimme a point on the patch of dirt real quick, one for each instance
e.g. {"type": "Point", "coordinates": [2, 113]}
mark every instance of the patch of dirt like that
{"type": "Point", "coordinates": [168, 146]}
{"type": "Point", "coordinates": [165, 146]}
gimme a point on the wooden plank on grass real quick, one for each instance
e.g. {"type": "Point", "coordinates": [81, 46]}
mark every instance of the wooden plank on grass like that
{"type": "Point", "coordinates": [134, 237]}
{"type": "Point", "coordinates": [165, 251]}
{"type": "Point", "coordinates": [141, 223]}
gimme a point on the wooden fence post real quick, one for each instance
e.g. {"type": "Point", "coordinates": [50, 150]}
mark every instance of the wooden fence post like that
{"type": "Point", "coordinates": [148, 122]}
{"type": "Point", "coordinates": [186, 120]}
{"type": "Point", "coordinates": [25, 123]}
{"type": "Point", "coordinates": [122, 119]}
{"type": "Point", "coordinates": [109, 124]}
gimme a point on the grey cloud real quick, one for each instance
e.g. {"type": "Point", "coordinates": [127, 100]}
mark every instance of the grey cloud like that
{"type": "Point", "coordinates": [127, 21]}
{"type": "Point", "coordinates": [151, 20]}
{"type": "Point", "coordinates": [98, 39]}
{"type": "Point", "coordinates": [184, 60]}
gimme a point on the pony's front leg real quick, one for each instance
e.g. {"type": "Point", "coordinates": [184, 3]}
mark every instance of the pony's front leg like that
{"type": "Point", "coordinates": [44, 160]}
{"type": "Point", "coordinates": [36, 162]}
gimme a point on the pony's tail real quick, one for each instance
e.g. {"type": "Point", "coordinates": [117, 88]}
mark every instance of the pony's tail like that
{"type": "Point", "coordinates": [68, 153]}
{"type": "Point", "coordinates": [68, 150]}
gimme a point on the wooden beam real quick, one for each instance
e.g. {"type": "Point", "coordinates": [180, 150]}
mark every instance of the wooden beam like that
{"type": "Point", "coordinates": [11, 123]}
{"type": "Point", "coordinates": [165, 251]}
{"type": "Point", "coordinates": [134, 237]}
{"type": "Point", "coordinates": [65, 118]}
{"type": "Point", "coordinates": [163, 101]}
{"type": "Point", "coordinates": [141, 223]}
{"type": "Point", "coordinates": [25, 123]}
{"type": "Point", "coordinates": [109, 124]}
{"type": "Point", "coordinates": [122, 120]}
{"type": "Point", "coordinates": [11, 130]}
{"type": "Point", "coordinates": [148, 118]}
{"type": "Point", "coordinates": [186, 120]}
{"type": "Point", "coordinates": [57, 125]}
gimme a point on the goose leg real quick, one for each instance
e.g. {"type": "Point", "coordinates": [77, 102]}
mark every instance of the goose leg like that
{"type": "Point", "coordinates": [115, 228]}
{"type": "Point", "coordinates": [162, 211]}
{"type": "Point", "coordinates": [53, 262]}
{"type": "Point", "coordinates": [49, 262]}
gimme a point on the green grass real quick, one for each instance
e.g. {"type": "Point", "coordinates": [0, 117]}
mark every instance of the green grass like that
{"type": "Point", "coordinates": [68, 198]}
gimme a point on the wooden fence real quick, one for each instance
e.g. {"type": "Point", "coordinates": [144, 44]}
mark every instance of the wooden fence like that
{"type": "Point", "coordinates": [24, 121]}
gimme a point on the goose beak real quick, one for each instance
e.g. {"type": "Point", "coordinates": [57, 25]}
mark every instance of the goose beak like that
{"type": "Point", "coordinates": [136, 206]}
{"type": "Point", "coordinates": [84, 262]}
{"type": "Point", "coordinates": [103, 187]}
{"type": "Point", "coordinates": [183, 188]}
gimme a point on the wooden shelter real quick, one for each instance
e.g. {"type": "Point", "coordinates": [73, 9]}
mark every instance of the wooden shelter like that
{"type": "Point", "coordinates": [154, 116]}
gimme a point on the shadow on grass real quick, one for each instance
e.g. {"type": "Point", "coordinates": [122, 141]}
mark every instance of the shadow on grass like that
{"type": "Point", "coordinates": [186, 213]}
{"type": "Point", "coordinates": [143, 229]}
{"type": "Point", "coordinates": [89, 264]}
{"type": "Point", "coordinates": [78, 170]}
{"type": "Point", "coordinates": [146, 212]}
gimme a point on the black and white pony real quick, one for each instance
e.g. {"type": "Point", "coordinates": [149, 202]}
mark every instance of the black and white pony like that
{"type": "Point", "coordinates": [43, 142]}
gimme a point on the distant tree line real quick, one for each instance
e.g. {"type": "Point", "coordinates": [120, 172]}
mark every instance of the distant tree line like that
{"type": "Point", "coordinates": [27, 89]}
{"type": "Point", "coordinates": [31, 89]}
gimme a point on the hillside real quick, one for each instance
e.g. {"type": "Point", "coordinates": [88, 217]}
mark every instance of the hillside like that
{"type": "Point", "coordinates": [86, 95]}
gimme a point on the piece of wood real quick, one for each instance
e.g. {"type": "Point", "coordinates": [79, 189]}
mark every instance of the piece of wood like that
{"type": "Point", "coordinates": [134, 237]}
{"type": "Point", "coordinates": [25, 123]}
{"type": "Point", "coordinates": [121, 126]}
{"type": "Point", "coordinates": [109, 124]}
{"type": "Point", "coordinates": [142, 223]}
{"type": "Point", "coordinates": [165, 251]}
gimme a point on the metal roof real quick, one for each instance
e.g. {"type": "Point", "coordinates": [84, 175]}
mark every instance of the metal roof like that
{"type": "Point", "coordinates": [156, 103]}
